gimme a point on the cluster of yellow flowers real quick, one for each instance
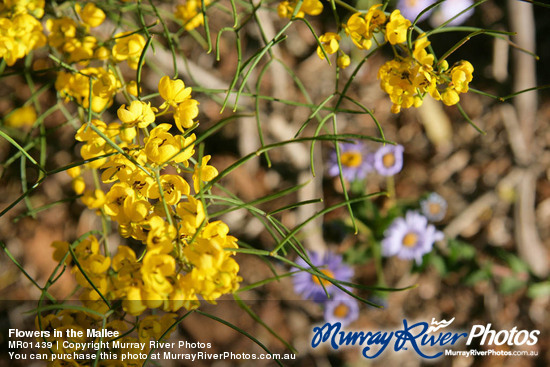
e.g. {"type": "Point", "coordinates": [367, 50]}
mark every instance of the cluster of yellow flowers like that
{"type": "Point", "coordinates": [126, 46]}
{"type": "Point", "coordinates": [136, 343]}
{"type": "Point", "coordinates": [406, 79]}
{"type": "Point", "coordinates": [146, 178]}
{"type": "Point", "coordinates": [20, 30]}
{"type": "Point", "coordinates": [76, 87]}
{"type": "Point", "coordinates": [185, 255]}
{"type": "Point", "coordinates": [73, 38]}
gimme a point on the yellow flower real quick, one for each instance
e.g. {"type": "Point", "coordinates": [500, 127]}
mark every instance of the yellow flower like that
{"type": "Point", "coordinates": [127, 134]}
{"type": "Point", "coordinates": [106, 84]}
{"type": "Point", "coordinates": [61, 249]}
{"type": "Point", "coordinates": [96, 264]}
{"type": "Point", "coordinates": [310, 7]}
{"type": "Point", "coordinates": [173, 187]}
{"type": "Point", "coordinates": [192, 215]}
{"type": "Point", "coordinates": [118, 167]}
{"type": "Point", "coordinates": [138, 113]}
{"type": "Point", "coordinates": [190, 14]}
{"type": "Point", "coordinates": [136, 209]}
{"type": "Point", "coordinates": [114, 201]}
{"type": "Point", "coordinates": [132, 88]}
{"type": "Point", "coordinates": [183, 295]}
{"type": "Point", "coordinates": [329, 42]}
{"type": "Point", "coordinates": [133, 303]}
{"type": "Point", "coordinates": [420, 53]}
{"type": "Point", "coordinates": [396, 29]}
{"type": "Point", "coordinates": [102, 53]}
{"type": "Point", "coordinates": [149, 328]}
{"type": "Point", "coordinates": [141, 182]}
{"type": "Point", "coordinates": [21, 117]}
{"type": "Point", "coordinates": [356, 28]}
{"type": "Point", "coordinates": [185, 113]}
{"type": "Point", "coordinates": [128, 47]}
{"type": "Point", "coordinates": [78, 185]}
{"type": "Point", "coordinates": [162, 147]}
{"type": "Point", "coordinates": [74, 172]}
{"type": "Point", "coordinates": [203, 172]}
{"type": "Point", "coordinates": [375, 19]}
{"type": "Point", "coordinates": [93, 199]}
{"type": "Point", "coordinates": [87, 247]}
{"type": "Point", "coordinates": [461, 76]}
{"type": "Point", "coordinates": [155, 272]}
{"type": "Point", "coordinates": [91, 15]}
{"type": "Point", "coordinates": [173, 91]}
{"type": "Point", "coordinates": [124, 258]}
{"type": "Point", "coordinates": [450, 97]}
{"type": "Point", "coordinates": [361, 27]}
{"type": "Point", "coordinates": [161, 235]}
{"type": "Point", "coordinates": [216, 232]}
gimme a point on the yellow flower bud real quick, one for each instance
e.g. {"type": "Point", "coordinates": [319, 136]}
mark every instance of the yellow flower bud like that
{"type": "Point", "coordinates": [78, 185]}
{"type": "Point", "coordinates": [343, 61]}
{"type": "Point", "coordinates": [91, 15]}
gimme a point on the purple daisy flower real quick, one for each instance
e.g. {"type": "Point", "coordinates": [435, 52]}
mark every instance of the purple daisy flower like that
{"type": "Point", "coordinates": [449, 9]}
{"type": "Point", "coordinates": [341, 308]}
{"type": "Point", "coordinates": [411, 8]}
{"type": "Point", "coordinates": [309, 286]}
{"type": "Point", "coordinates": [410, 237]}
{"type": "Point", "coordinates": [355, 160]}
{"type": "Point", "coordinates": [388, 159]}
{"type": "Point", "coordinates": [434, 207]}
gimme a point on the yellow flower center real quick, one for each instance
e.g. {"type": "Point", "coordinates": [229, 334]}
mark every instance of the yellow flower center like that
{"type": "Point", "coordinates": [317, 280]}
{"type": "Point", "coordinates": [410, 239]}
{"type": "Point", "coordinates": [351, 159]}
{"type": "Point", "coordinates": [434, 208]}
{"type": "Point", "coordinates": [120, 200]}
{"type": "Point", "coordinates": [388, 160]}
{"type": "Point", "coordinates": [168, 187]}
{"type": "Point", "coordinates": [341, 310]}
